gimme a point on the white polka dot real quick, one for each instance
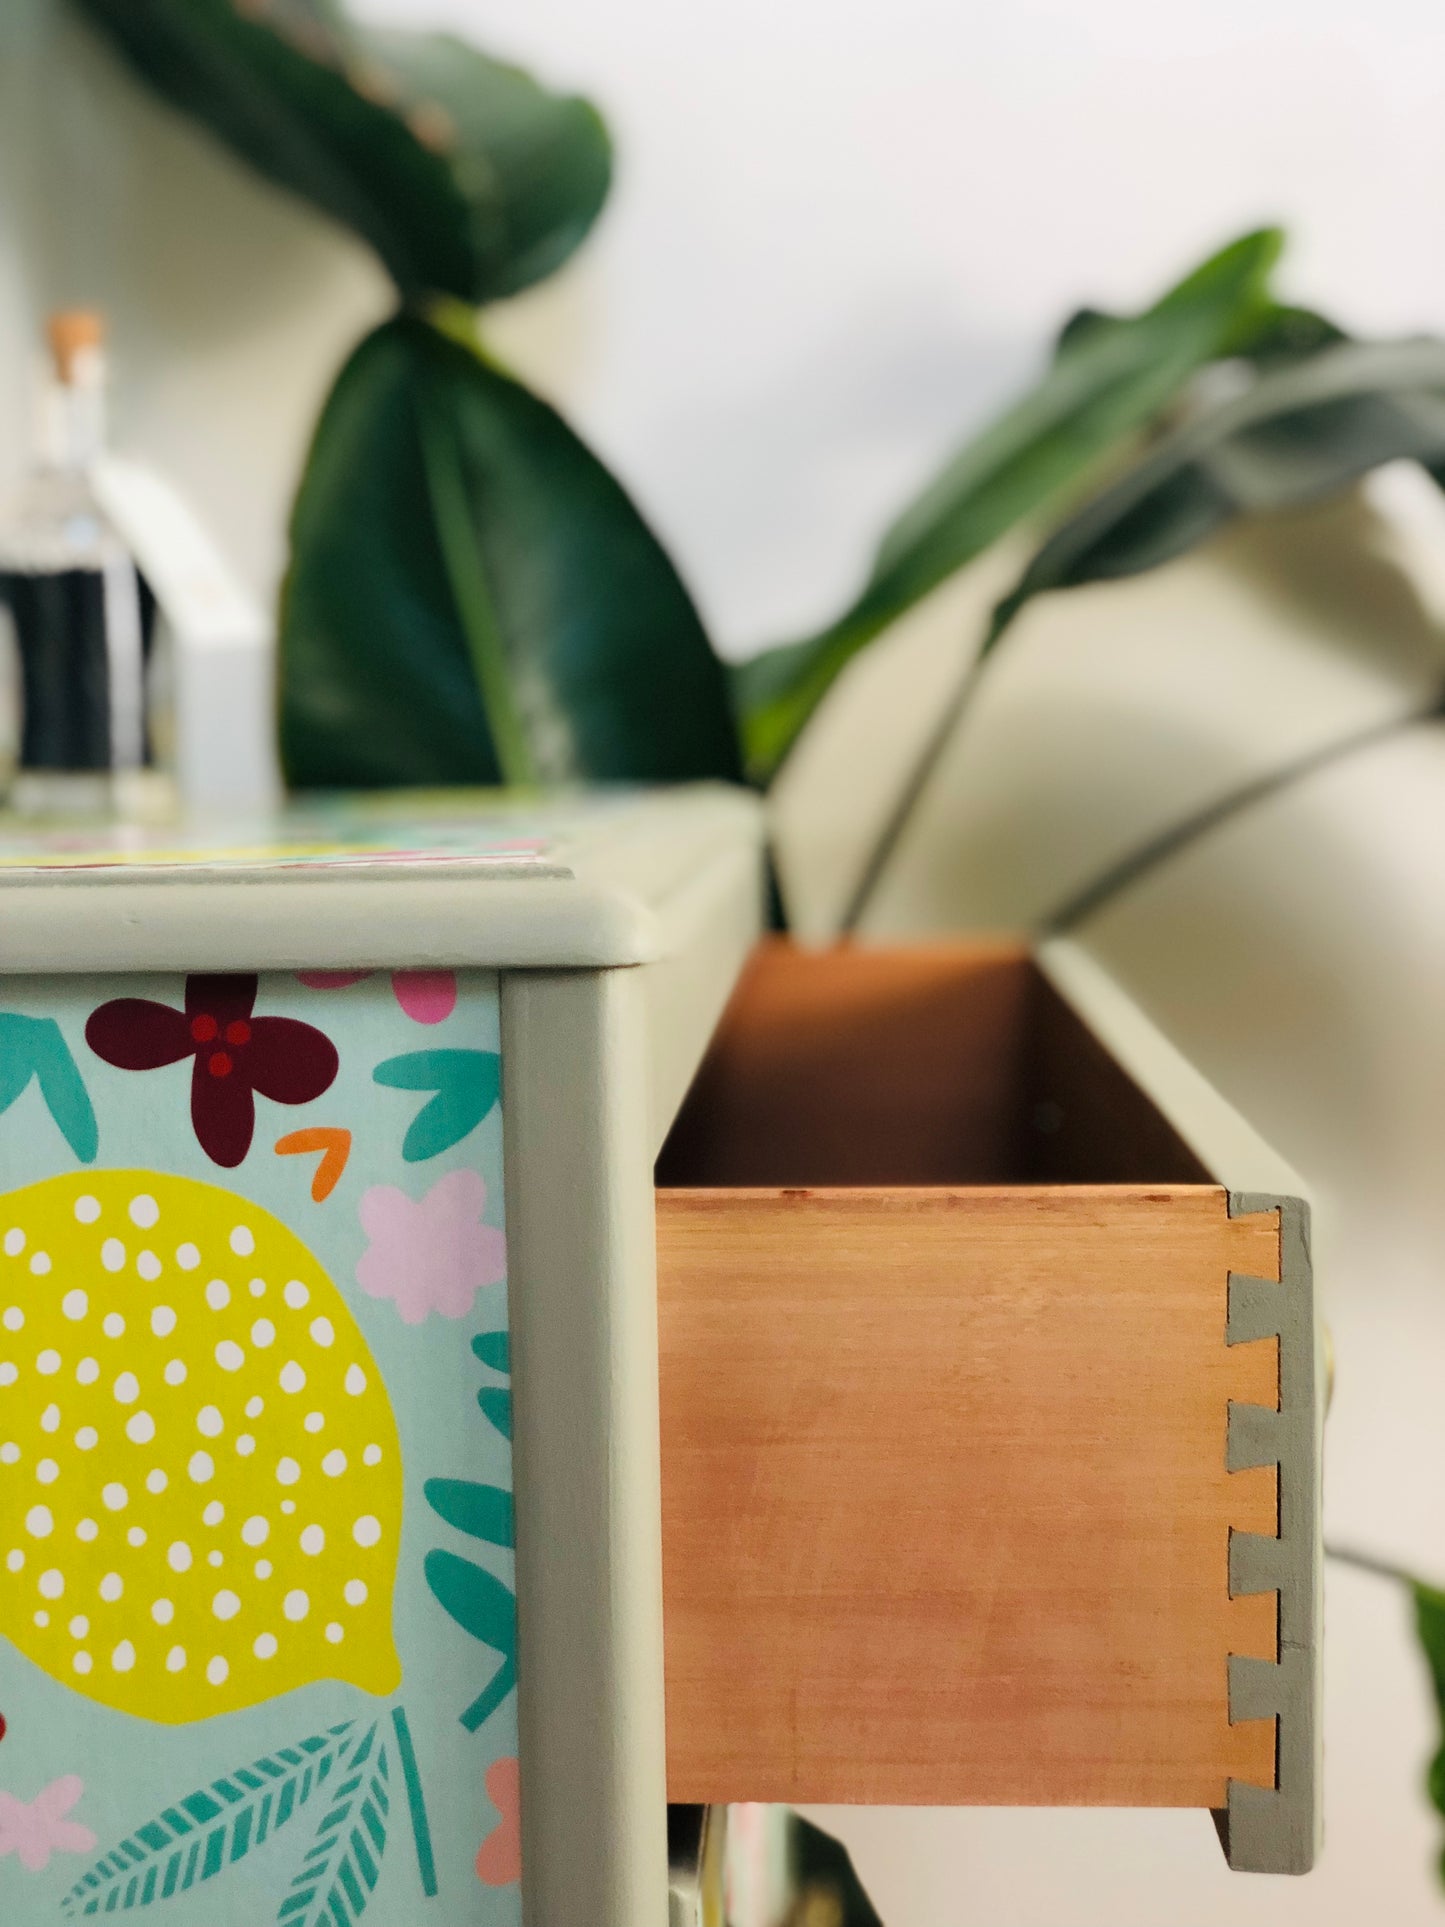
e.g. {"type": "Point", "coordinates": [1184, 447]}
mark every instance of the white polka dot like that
{"type": "Point", "coordinates": [87, 1530]}
{"type": "Point", "coordinates": [38, 1522]}
{"type": "Point", "coordinates": [263, 1568]}
{"type": "Point", "coordinates": [149, 1266]}
{"type": "Point", "coordinates": [229, 1355]}
{"type": "Point", "coordinates": [50, 1419]}
{"type": "Point", "coordinates": [113, 1325]}
{"type": "Point", "coordinates": [9, 1372]}
{"type": "Point", "coordinates": [52, 1584]}
{"type": "Point", "coordinates": [178, 1556]}
{"type": "Point", "coordinates": [241, 1242]}
{"type": "Point", "coordinates": [215, 1558]}
{"type": "Point", "coordinates": [40, 1264]}
{"type": "Point", "coordinates": [263, 1333]}
{"type": "Point", "coordinates": [112, 1254]}
{"type": "Point", "coordinates": [355, 1593]}
{"type": "Point", "coordinates": [123, 1658]}
{"type": "Point", "coordinates": [87, 1372]}
{"type": "Point", "coordinates": [202, 1467]}
{"type": "Point", "coordinates": [14, 1242]}
{"type": "Point", "coordinates": [48, 1363]}
{"type": "Point", "coordinates": [163, 1321]}
{"type": "Point", "coordinates": [296, 1295]}
{"type": "Point", "coordinates": [218, 1294]}
{"type": "Point", "coordinates": [214, 1513]}
{"type": "Point", "coordinates": [218, 1671]}
{"type": "Point", "coordinates": [245, 1445]}
{"type": "Point", "coordinates": [47, 1471]}
{"type": "Point", "coordinates": [86, 1439]}
{"type": "Point", "coordinates": [42, 1618]}
{"type": "Point", "coordinates": [293, 1379]}
{"type": "Point", "coordinates": [136, 1536]}
{"type": "Point", "coordinates": [209, 1422]}
{"type": "Point", "coordinates": [9, 1453]}
{"type": "Point", "coordinates": [313, 1541]}
{"type": "Point", "coordinates": [256, 1530]}
{"type": "Point", "coordinates": [367, 1530]}
{"type": "Point", "coordinates": [156, 1480]}
{"type": "Point", "coordinates": [336, 1632]}
{"type": "Point", "coordinates": [13, 1319]}
{"type": "Point", "coordinates": [175, 1372]}
{"type": "Point", "coordinates": [82, 1663]}
{"type": "Point", "coordinates": [315, 1421]}
{"type": "Point", "coordinates": [334, 1464]}
{"type": "Point", "coordinates": [111, 1587]}
{"type": "Point", "coordinates": [127, 1388]}
{"type": "Point", "coordinates": [15, 1560]}
{"type": "Point", "coordinates": [355, 1380]}
{"type": "Point", "coordinates": [162, 1612]}
{"type": "Point", "coordinates": [75, 1304]}
{"type": "Point", "coordinates": [296, 1605]}
{"type": "Point", "coordinates": [323, 1332]}
{"type": "Point", "coordinates": [143, 1210]}
{"type": "Point", "coordinates": [255, 1407]}
{"type": "Point", "coordinates": [176, 1660]}
{"type": "Point", "coordinates": [257, 1287]}
{"type": "Point", "coordinates": [79, 1627]}
{"type": "Point", "coordinates": [187, 1257]}
{"type": "Point", "coordinates": [265, 1646]}
{"type": "Point", "coordinates": [140, 1428]}
{"type": "Point", "coordinates": [288, 1506]}
{"type": "Point", "coordinates": [115, 1498]}
{"type": "Point", "coordinates": [288, 1472]}
{"type": "Point", "coordinates": [87, 1209]}
{"type": "Point", "coordinates": [226, 1605]}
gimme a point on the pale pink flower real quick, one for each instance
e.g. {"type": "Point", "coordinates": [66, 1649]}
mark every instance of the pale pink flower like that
{"type": "Point", "coordinates": [40, 1829]}
{"type": "Point", "coordinates": [430, 1254]}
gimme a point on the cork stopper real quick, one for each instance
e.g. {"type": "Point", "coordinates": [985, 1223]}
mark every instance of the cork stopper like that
{"type": "Point", "coordinates": [76, 336]}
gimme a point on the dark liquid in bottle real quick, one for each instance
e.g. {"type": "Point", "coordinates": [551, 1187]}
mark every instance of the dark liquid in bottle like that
{"type": "Point", "coordinates": [64, 669]}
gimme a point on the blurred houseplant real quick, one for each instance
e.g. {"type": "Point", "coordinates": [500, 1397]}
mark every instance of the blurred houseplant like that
{"type": "Point", "coordinates": [472, 597]}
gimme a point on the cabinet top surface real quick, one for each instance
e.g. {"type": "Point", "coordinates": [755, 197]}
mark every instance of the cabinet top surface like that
{"type": "Point", "coordinates": [587, 879]}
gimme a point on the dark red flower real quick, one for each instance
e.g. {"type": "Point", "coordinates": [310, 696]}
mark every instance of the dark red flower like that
{"type": "Point", "coordinates": [236, 1055]}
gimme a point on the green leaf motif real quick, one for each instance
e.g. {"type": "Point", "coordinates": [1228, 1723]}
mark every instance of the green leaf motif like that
{"type": "Point", "coordinates": [481, 1511]}
{"type": "Point", "coordinates": [33, 1047]}
{"type": "Point", "coordinates": [1111, 377]}
{"type": "Point", "coordinates": [496, 1402]}
{"type": "Point", "coordinates": [465, 176]}
{"type": "Point", "coordinates": [467, 1084]}
{"type": "Point", "coordinates": [339, 1873]}
{"type": "Point", "coordinates": [494, 1349]}
{"type": "Point", "coordinates": [192, 1840]}
{"type": "Point", "coordinates": [473, 598]}
{"type": "Point", "coordinates": [482, 1606]}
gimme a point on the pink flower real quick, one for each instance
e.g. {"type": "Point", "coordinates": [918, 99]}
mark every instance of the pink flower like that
{"type": "Point", "coordinates": [499, 1858]}
{"type": "Point", "coordinates": [427, 996]}
{"type": "Point", "coordinates": [40, 1829]}
{"type": "Point", "coordinates": [431, 1254]}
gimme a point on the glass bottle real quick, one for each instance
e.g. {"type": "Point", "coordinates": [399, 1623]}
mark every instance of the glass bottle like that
{"type": "Point", "coordinates": [75, 599]}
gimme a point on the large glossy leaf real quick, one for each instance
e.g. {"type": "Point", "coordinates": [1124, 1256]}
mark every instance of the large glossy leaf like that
{"type": "Point", "coordinates": [473, 598]}
{"type": "Point", "coordinates": [1302, 431]}
{"type": "Point", "coordinates": [466, 176]}
{"type": "Point", "coordinates": [1430, 1626]}
{"type": "Point", "coordinates": [1110, 377]}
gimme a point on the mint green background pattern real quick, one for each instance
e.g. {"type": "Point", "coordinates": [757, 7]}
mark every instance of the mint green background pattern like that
{"type": "Point", "coordinates": [132, 1768]}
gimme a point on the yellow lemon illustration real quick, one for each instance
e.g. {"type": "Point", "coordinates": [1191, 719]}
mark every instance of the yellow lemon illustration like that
{"type": "Point", "coordinates": [200, 1477]}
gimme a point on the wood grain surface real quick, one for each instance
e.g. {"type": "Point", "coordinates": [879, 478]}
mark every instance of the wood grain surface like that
{"type": "Point", "coordinates": [945, 1509]}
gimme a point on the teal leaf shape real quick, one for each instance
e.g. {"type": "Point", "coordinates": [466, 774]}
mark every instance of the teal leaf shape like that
{"type": "Point", "coordinates": [496, 1402]}
{"type": "Point", "coordinates": [34, 1047]}
{"type": "Point", "coordinates": [482, 1606]}
{"type": "Point", "coordinates": [481, 1511]}
{"type": "Point", "coordinates": [190, 1841]}
{"type": "Point", "coordinates": [467, 1083]}
{"type": "Point", "coordinates": [339, 1874]}
{"type": "Point", "coordinates": [494, 1349]}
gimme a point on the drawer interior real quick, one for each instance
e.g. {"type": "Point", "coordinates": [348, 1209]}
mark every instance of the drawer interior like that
{"type": "Point", "coordinates": [944, 1064]}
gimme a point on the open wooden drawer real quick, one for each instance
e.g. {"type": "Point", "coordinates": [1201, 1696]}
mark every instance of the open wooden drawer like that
{"type": "Point", "coordinates": [990, 1407]}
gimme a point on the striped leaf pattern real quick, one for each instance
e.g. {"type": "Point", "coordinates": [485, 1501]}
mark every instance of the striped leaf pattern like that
{"type": "Point", "coordinates": [193, 1840]}
{"type": "Point", "coordinates": [340, 1872]}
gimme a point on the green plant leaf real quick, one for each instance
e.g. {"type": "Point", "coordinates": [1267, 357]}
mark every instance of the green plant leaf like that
{"type": "Point", "coordinates": [1300, 432]}
{"type": "Point", "coordinates": [339, 1873]}
{"type": "Point", "coordinates": [482, 1606]}
{"type": "Point", "coordinates": [1111, 377]}
{"type": "Point", "coordinates": [465, 175]}
{"type": "Point", "coordinates": [472, 597]}
{"type": "Point", "coordinates": [1430, 1627]}
{"type": "Point", "coordinates": [481, 1511]}
{"type": "Point", "coordinates": [193, 1839]}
